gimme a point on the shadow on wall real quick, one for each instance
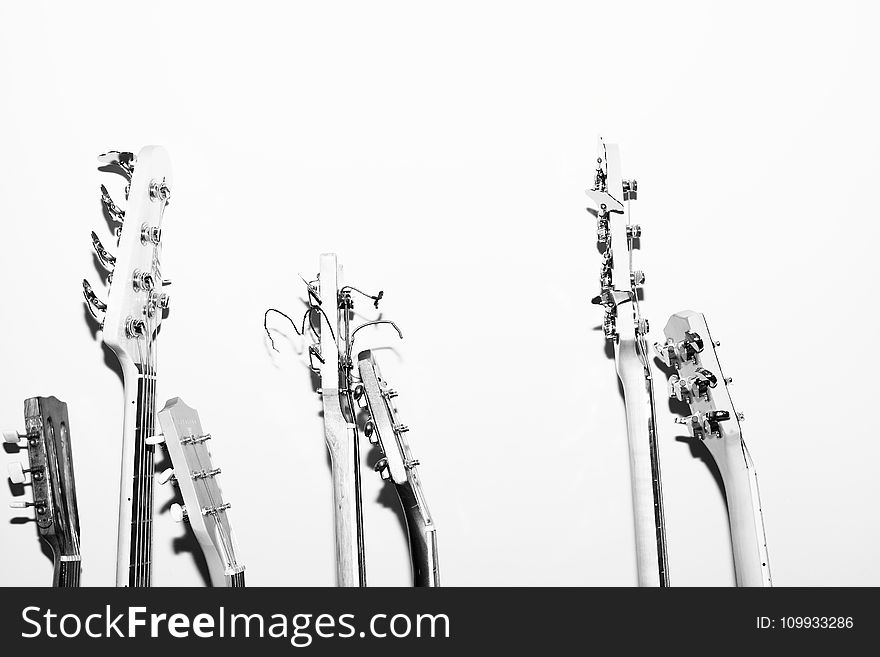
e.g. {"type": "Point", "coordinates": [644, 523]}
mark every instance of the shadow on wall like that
{"type": "Point", "coordinates": [188, 543]}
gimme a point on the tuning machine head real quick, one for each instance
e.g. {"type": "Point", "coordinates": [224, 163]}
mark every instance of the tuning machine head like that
{"type": "Point", "coordinates": [12, 436]}
{"type": "Point", "coordinates": [360, 396]}
{"type": "Point", "coordinates": [673, 353]}
{"type": "Point", "coordinates": [382, 468]}
{"type": "Point", "coordinates": [705, 425]}
{"type": "Point", "coordinates": [113, 211]}
{"type": "Point", "coordinates": [370, 432]}
{"type": "Point", "coordinates": [107, 260]}
{"type": "Point", "coordinates": [693, 387]}
{"type": "Point", "coordinates": [122, 159]}
{"type": "Point", "coordinates": [96, 307]}
{"type": "Point", "coordinates": [178, 513]}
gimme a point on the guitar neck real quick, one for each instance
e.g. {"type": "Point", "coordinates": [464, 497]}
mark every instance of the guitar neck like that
{"type": "Point", "coordinates": [422, 533]}
{"type": "Point", "coordinates": [66, 573]}
{"type": "Point", "coordinates": [235, 581]}
{"type": "Point", "coordinates": [345, 464]}
{"type": "Point", "coordinates": [748, 540]}
{"type": "Point", "coordinates": [650, 526]}
{"type": "Point", "coordinates": [135, 539]}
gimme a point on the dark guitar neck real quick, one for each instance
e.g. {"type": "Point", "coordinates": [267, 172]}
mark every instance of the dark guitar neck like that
{"type": "Point", "coordinates": [140, 562]}
{"type": "Point", "coordinates": [67, 572]}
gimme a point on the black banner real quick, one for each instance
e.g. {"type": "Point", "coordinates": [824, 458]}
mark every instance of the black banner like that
{"type": "Point", "coordinates": [435, 621]}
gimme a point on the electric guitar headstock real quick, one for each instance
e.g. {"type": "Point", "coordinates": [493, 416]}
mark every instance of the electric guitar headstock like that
{"type": "Point", "coordinates": [618, 281]}
{"type": "Point", "coordinates": [131, 316]}
{"type": "Point", "coordinates": [699, 382]}
{"type": "Point", "coordinates": [49, 473]}
{"type": "Point", "coordinates": [384, 428]}
{"type": "Point", "coordinates": [196, 476]}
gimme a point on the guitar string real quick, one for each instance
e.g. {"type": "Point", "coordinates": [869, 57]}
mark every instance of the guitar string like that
{"type": "Point", "coordinates": [149, 455]}
{"type": "Point", "coordinates": [154, 322]}
{"type": "Point", "coordinates": [641, 342]}
{"type": "Point", "coordinates": [137, 485]}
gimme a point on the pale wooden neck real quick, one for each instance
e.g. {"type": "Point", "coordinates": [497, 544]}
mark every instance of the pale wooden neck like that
{"type": "Point", "coordinates": [647, 495]}
{"type": "Point", "coordinates": [345, 463]}
{"type": "Point", "coordinates": [748, 540]}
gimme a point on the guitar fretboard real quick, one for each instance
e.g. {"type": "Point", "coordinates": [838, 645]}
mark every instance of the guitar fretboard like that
{"type": "Point", "coordinates": [140, 561]}
{"type": "Point", "coordinates": [67, 572]}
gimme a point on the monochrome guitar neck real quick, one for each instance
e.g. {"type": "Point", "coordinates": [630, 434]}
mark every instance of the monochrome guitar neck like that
{"type": "Point", "coordinates": [626, 329]}
{"type": "Point", "coordinates": [49, 474]}
{"type": "Point", "coordinates": [130, 321]}
{"type": "Point", "coordinates": [699, 382]}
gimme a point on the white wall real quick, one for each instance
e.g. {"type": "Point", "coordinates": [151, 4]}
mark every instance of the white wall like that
{"type": "Point", "coordinates": [443, 153]}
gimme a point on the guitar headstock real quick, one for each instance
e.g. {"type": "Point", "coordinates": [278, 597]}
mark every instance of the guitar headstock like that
{"type": "Point", "coordinates": [196, 477]}
{"type": "Point", "coordinates": [618, 281]}
{"type": "Point", "coordinates": [383, 428]}
{"type": "Point", "coordinates": [698, 380]}
{"type": "Point", "coordinates": [131, 316]}
{"type": "Point", "coordinates": [49, 473]}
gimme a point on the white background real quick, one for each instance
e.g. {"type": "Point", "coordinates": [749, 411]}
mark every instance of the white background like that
{"type": "Point", "coordinates": [443, 151]}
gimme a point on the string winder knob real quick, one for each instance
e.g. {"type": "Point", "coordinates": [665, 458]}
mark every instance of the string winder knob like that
{"type": "Point", "coordinates": [382, 468]}
{"type": "Point", "coordinates": [12, 436]}
{"type": "Point", "coordinates": [178, 512]}
{"type": "Point", "coordinates": [16, 473]}
{"type": "Point", "coordinates": [165, 476]}
{"type": "Point", "coordinates": [370, 432]}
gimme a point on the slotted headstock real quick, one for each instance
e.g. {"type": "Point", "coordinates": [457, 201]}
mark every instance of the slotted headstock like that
{"type": "Point", "coordinates": [50, 474]}
{"type": "Point", "coordinates": [131, 316]}
{"type": "Point", "coordinates": [397, 465]}
{"type": "Point", "coordinates": [698, 380]}
{"type": "Point", "coordinates": [383, 428]}
{"type": "Point", "coordinates": [196, 476]}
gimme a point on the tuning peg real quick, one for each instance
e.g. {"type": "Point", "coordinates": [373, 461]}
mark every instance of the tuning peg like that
{"type": "Point", "coordinates": [16, 473]}
{"type": "Point", "coordinates": [382, 468]}
{"type": "Point", "coordinates": [165, 476]}
{"type": "Point", "coordinates": [41, 506]}
{"type": "Point", "coordinates": [178, 513]}
{"type": "Point", "coordinates": [151, 234]}
{"type": "Point", "coordinates": [359, 396]}
{"type": "Point", "coordinates": [104, 257]}
{"type": "Point", "coordinates": [155, 440]}
{"type": "Point", "coordinates": [370, 432]}
{"type": "Point", "coordinates": [159, 191]}
{"type": "Point", "coordinates": [13, 436]}
{"type": "Point", "coordinates": [116, 213]}
{"type": "Point", "coordinates": [123, 159]}
{"type": "Point", "coordinates": [93, 303]}
{"type": "Point", "coordinates": [740, 416]}
{"type": "Point", "coordinates": [637, 277]}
